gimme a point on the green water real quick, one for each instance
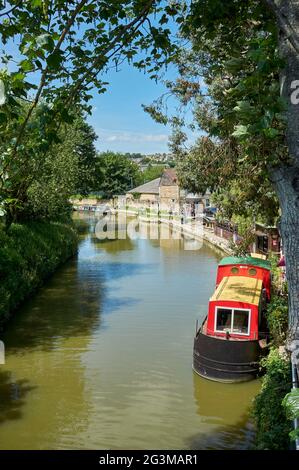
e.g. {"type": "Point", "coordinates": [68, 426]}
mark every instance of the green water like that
{"type": "Point", "coordinates": [101, 357]}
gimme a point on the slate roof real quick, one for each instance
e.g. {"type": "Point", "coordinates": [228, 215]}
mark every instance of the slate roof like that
{"type": "Point", "coordinates": [151, 187]}
{"type": "Point", "coordinates": [169, 177]}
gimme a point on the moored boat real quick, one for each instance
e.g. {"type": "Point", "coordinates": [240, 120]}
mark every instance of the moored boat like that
{"type": "Point", "coordinates": [233, 336]}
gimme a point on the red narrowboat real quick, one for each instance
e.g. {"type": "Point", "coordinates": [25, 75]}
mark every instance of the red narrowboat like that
{"type": "Point", "coordinates": [233, 336]}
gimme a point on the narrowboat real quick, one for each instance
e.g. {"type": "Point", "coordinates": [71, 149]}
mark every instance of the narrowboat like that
{"type": "Point", "coordinates": [233, 336]}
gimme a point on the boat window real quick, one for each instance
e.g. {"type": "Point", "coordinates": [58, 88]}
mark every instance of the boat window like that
{"type": "Point", "coordinates": [235, 321]}
{"type": "Point", "coordinates": [252, 271]}
{"type": "Point", "coordinates": [234, 270]}
{"type": "Point", "coordinates": [224, 319]}
{"type": "Point", "coordinates": [241, 322]}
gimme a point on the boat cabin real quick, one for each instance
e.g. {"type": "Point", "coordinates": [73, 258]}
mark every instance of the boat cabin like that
{"type": "Point", "coordinates": [236, 307]}
{"type": "Point", "coordinates": [247, 266]}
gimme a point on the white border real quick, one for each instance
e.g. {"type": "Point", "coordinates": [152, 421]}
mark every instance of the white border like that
{"type": "Point", "coordinates": [232, 320]}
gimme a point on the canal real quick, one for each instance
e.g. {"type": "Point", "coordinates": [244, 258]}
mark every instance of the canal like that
{"type": "Point", "coordinates": [101, 357]}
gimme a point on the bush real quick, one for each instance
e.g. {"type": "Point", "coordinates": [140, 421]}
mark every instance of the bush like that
{"type": "Point", "coordinates": [291, 406]}
{"type": "Point", "coordinates": [29, 253]}
{"type": "Point", "coordinates": [277, 319]}
{"type": "Point", "coordinates": [279, 286]}
{"type": "Point", "coordinates": [272, 423]}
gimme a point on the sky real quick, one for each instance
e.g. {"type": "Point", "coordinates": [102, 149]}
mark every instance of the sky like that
{"type": "Point", "coordinates": [118, 118]}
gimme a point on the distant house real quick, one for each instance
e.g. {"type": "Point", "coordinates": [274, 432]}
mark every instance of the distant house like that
{"type": "Point", "coordinates": [267, 239]}
{"type": "Point", "coordinates": [148, 192]}
{"type": "Point", "coordinates": [166, 192]}
{"type": "Point", "coordinates": [198, 199]}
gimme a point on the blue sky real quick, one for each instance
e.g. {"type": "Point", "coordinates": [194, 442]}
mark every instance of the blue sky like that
{"type": "Point", "coordinates": [118, 117]}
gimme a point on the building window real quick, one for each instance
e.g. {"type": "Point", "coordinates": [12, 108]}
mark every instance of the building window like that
{"type": "Point", "coordinates": [263, 243]}
{"type": "Point", "coordinates": [235, 321]}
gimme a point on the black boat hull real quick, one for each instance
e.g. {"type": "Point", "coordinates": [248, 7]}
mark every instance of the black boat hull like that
{"type": "Point", "coordinates": [226, 360]}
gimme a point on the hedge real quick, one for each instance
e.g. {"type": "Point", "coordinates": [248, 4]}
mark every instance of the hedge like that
{"type": "Point", "coordinates": [29, 253]}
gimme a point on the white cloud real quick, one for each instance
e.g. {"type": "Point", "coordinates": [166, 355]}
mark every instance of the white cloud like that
{"type": "Point", "coordinates": [106, 135]}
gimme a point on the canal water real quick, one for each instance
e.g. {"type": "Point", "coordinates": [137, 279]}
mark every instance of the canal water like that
{"type": "Point", "coordinates": [101, 357]}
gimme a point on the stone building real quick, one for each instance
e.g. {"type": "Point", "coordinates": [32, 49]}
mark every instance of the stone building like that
{"type": "Point", "coordinates": [145, 193]}
{"type": "Point", "coordinates": [165, 193]}
{"type": "Point", "coordinates": [169, 190]}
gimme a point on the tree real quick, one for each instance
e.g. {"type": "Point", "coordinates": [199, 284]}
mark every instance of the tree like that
{"type": "Point", "coordinates": [152, 172]}
{"type": "Point", "coordinates": [247, 54]}
{"type": "Point", "coordinates": [85, 138]}
{"type": "Point", "coordinates": [116, 174]}
{"type": "Point", "coordinates": [258, 96]}
{"type": "Point", "coordinates": [60, 48]}
{"type": "Point", "coordinates": [238, 189]}
{"type": "Point", "coordinates": [52, 180]}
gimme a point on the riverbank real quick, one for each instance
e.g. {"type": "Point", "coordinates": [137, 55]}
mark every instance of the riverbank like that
{"type": "Point", "coordinates": [192, 229]}
{"type": "Point", "coordinates": [189, 227]}
{"type": "Point", "coordinates": [30, 253]}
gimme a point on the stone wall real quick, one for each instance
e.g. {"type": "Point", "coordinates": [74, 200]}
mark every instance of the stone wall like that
{"type": "Point", "coordinates": [169, 193]}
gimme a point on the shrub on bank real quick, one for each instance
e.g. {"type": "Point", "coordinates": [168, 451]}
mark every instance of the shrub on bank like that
{"type": "Point", "coordinates": [29, 253]}
{"type": "Point", "coordinates": [272, 423]}
{"type": "Point", "coordinates": [277, 319]}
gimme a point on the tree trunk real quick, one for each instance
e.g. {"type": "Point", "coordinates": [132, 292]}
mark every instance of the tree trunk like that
{"type": "Point", "coordinates": [286, 178]}
{"type": "Point", "coordinates": [287, 188]}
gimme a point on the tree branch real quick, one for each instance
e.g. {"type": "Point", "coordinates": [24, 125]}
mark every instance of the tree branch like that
{"type": "Point", "coordinates": [12, 9]}
{"type": "Point", "coordinates": [90, 73]}
{"type": "Point", "coordinates": [44, 74]}
{"type": "Point", "coordinates": [136, 22]}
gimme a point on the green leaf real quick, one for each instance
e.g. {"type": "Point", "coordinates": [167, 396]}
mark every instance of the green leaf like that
{"type": "Point", "coordinates": [240, 131]}
{"type": "Point", "coordinates": [245, 112]}
{"type": "Point", "coordinates": [36, 3]}
{"type": "Point", "coordinates": [291, 404]}
{"type": "Point", "coordinates": [234, 64]}
{"type": "Point", "coordinates": [3, 118]}
{"type": "Point", "coordinates": [66, 117]}
{"type": "Point", "coordinates": [54, 60]}
{"type": "Point", "coordinates": [271, 133]}
{"type": "Point", "coordinates": [243, 107]}
{"type": "Point", "coordinates": [19, 76]}
{"type": "Point", "coordinates": [26, 65]}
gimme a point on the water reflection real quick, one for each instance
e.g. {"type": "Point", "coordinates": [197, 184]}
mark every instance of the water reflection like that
{"type": "Point", "coordinates": [57, 310]}
{"type": "Point", "coordinates": [238, 436]}
{"type": "Point", "coordinates": [13, 394]}
{"type": "Point", "coordinates": [214, 399]}
{"type": "Point", "coordinates": [226, 407]}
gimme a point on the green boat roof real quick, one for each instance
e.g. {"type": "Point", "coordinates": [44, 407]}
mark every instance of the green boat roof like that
{"type": "Point", "coordinates": [261, 263]}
